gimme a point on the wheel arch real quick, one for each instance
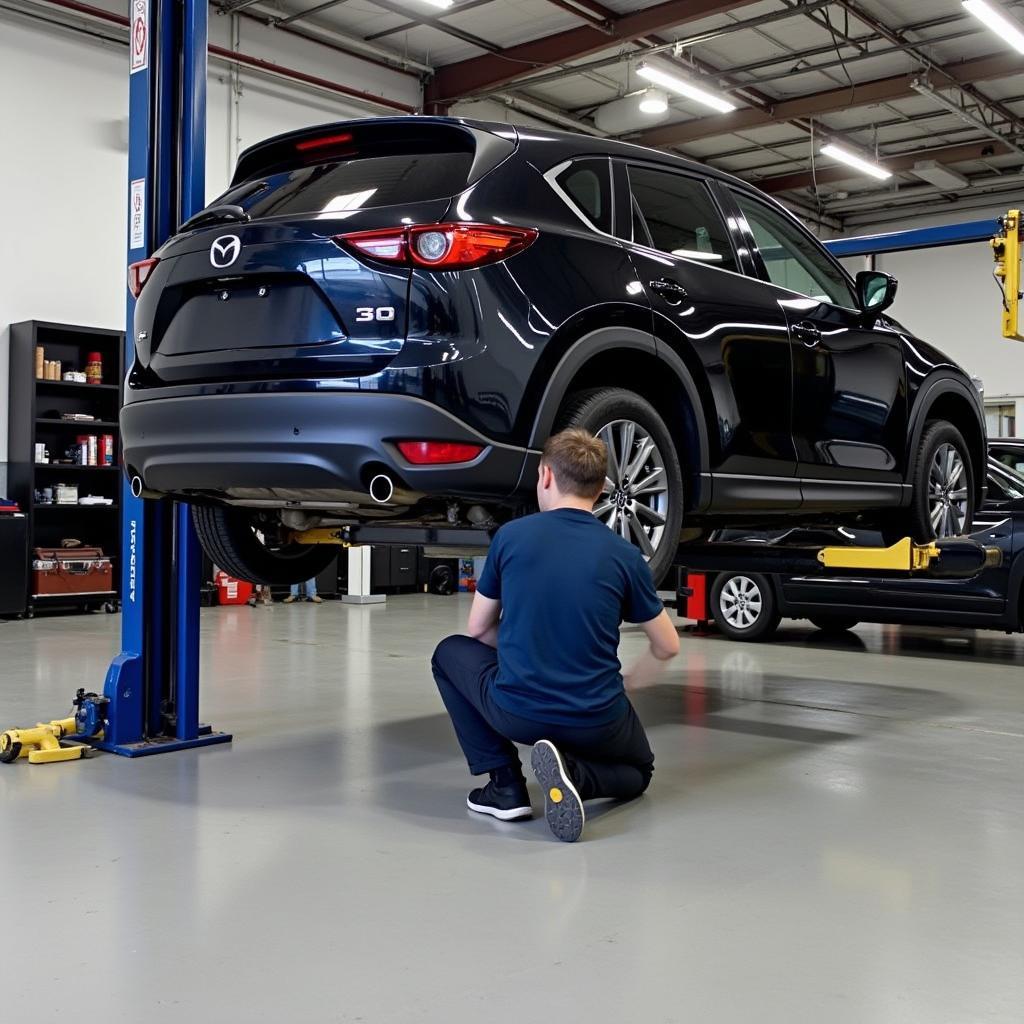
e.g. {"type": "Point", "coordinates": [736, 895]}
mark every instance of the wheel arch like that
{"type": "Point", "coordinates": [950, 399]}
{"type": "Point", "coordinates": [595, 359]}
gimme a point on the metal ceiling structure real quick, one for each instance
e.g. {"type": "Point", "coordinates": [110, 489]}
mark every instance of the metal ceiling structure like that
{"type": "Point", "coordinates": [898, 80]}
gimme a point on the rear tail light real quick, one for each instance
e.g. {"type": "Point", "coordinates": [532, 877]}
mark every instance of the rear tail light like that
{"type": "Point", "coordinates": [435, 453]}
{"type": "Point", "coordinates": [446, 246]}
{"type": "Point", "coordinates": [139, 273]}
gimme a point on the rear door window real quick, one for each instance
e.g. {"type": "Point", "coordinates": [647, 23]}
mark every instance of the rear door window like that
{"type": "Point", "coordinates": [679, 216]}
{"type": "Point", "coordinates": [587, 183]}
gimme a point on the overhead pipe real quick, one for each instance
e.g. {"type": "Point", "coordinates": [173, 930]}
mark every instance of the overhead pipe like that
{"type": "Point", "coordinates": [256, 63]}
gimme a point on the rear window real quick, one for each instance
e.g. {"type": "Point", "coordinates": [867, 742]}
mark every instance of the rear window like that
{"type": "Point", "coordinates": [353, 168]}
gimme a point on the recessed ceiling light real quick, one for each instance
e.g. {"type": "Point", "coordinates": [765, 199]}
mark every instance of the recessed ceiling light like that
{"type": "Point", "coordinates": [844, 156]}
{"type": "Point", "coordinates": [684, 87]}
{"type": "Point", "coordinates": [653, 101]}
{"type": "Point", "coordinates": [1010, 31]}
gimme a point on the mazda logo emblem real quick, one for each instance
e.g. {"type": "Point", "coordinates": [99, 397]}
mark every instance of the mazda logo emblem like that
{"type": "Point", "coordinates": [225, 250]}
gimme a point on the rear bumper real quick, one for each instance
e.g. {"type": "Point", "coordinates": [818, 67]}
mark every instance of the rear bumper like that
{"type": "Point", "coordinates": [331, 443]}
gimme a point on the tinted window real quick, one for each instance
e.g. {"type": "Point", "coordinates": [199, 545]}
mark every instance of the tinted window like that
{"type": "Point", "coordinates": [793, 259]}
{"type": "Point", "coordinates": [1005, 486]}
{"type": "Point", "coordinates": [355, 183]}
{"type": "Point", "coordinates": [587, 184]}
{"type": "Point", "coordinates": [680, 216]}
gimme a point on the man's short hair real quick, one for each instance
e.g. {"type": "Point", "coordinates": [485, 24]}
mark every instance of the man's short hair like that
{"type": "Point", "coordinates": [579, 462]}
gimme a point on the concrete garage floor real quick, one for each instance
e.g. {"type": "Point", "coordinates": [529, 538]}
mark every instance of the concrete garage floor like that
{"type": "Point", "coordinates": [835, 833]}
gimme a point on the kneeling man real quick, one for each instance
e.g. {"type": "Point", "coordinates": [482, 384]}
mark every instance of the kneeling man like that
{"type": "Point", "coordinates": [540, 664]}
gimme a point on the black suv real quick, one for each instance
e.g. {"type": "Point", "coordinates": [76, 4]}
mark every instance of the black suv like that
{"type": "Point", "coordinates": [382, 320]}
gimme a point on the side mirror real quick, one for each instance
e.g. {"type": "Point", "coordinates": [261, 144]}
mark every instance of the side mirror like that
{"type": "Point", "coordinates": [875, 291]}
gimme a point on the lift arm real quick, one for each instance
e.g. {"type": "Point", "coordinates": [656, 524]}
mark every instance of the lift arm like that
{"type": "Point", "coordinates": [1006, 248]}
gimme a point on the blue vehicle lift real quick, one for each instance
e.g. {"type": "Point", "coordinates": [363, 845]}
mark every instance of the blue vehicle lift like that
{"type": "Point", "coordinates": [150, 700]}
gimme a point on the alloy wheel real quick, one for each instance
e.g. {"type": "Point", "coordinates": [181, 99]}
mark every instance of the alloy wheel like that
{"type": "Point", "coordinates": [947, 492]}
{"type": "Point", "coordinates": [635, 498]}
{"type": "Point", "coordinates": [741, 602]}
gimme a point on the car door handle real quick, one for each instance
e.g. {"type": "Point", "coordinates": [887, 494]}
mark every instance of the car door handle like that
{"type": "Point", "coordinates": [807, 333]}
{"type": "Point", "coordinates": [672, 292]}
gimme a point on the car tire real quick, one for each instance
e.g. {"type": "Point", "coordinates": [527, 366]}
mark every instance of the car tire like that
{"type": "Point", "coordinates": [622, 417]}
{"type": "Point", "coordinates": [227, 536]}
{"type": "Point", "coordinates": [941, 449]}
{"type": "Point", "coordinates": [833, 623]}
{"type": "Point", "coordinates": [743, 606]}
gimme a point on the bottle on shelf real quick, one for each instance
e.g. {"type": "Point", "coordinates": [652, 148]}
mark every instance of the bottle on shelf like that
{"type": "Point", "coordinates": [94, 368]}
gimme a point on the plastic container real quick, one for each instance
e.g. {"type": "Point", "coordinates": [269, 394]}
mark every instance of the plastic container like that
{"type": "Point", "coordinates": [230, 590]}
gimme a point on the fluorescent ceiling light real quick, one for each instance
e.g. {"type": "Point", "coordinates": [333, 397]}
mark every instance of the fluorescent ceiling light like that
{"type": "Point", "coordinates": [653, 101]}
{"type": "Point", "coordinates": [685, 88]}
{"type": "Point", "coordinates": [844, 156]}
{"type": "Point", "coordinates": [439, 3]}
{"type": "Point", "coordinates": [940, 176]}
{"type": "Point", "coordinates": [1010, 31]}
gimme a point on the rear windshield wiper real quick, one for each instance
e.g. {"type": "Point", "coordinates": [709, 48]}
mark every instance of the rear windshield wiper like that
{"type": "Point", "coordinates": [216, 215]}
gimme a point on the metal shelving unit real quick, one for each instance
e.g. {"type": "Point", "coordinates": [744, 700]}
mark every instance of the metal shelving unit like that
{"type": "Point", "coordinates": [35, 413]}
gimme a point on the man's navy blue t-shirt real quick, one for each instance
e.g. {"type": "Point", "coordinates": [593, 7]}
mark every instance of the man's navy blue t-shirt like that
{"type": "Point", "coordinates": [565, 582]}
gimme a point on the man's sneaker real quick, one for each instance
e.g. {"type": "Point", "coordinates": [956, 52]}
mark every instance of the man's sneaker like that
{"type": "Point", "coordinates": [562, 804]}
{"type": "Point", "coordinates": [509, 803]}
{"type": "Point", "coordinates": [290, 599]}
{"type": "Point", "coordinates": [316, 599]}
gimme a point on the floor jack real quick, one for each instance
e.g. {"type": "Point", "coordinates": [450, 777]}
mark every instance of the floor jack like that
{"type": "Point", "coordinates": [63, 739]}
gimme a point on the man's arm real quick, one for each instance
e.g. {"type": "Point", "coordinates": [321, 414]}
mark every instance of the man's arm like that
{"type": "Point", "coordinates": [664, 646]}
{"type": "Point", "coordinates": [483, 619]}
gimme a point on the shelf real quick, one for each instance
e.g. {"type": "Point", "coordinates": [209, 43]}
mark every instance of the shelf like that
{"type": "Point", "coordinates": [70, 384]}
{"type": "Point", "coordinates": [53, 504]}
{"type": "Point", "coordinates": [49, 422]}
{"type": "Point", "coordinates": [70, 467]}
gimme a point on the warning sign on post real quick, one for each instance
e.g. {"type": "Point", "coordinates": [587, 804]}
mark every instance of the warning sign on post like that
{"type": "Point", "coordinates": [140, 35]}
{"type": "Point", "coordinates": [137, 214]}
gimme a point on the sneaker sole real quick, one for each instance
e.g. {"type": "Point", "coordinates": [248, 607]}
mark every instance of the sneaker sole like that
{"type": "Point", "coordinates": [512, 814]}
{"type": "Point", "coordinates": [563, 807]}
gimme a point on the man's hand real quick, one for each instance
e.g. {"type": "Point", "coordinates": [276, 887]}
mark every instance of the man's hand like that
{"type": "Point", "coordinates": [664, 646]}
{"type": "Point", "coordinates": [483, 619]}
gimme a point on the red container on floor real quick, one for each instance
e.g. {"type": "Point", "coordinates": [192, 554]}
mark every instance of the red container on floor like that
{"type": "Point", "coordinates": [232, 591]}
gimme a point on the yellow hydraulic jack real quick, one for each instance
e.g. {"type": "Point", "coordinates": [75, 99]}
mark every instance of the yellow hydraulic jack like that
{"type": "Point", "coordinates": [1006, 247]}
{"type": "Point", "coordinates": [41, 745]}
{"type": "Point", "coordinates": [63, 739]}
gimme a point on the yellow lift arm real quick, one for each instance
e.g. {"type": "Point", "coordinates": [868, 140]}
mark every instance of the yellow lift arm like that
{"type": "Point", "coordinates": [1006, 247]}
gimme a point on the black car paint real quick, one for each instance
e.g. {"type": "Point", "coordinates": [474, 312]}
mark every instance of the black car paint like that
{"type": "Point", "coordinates": [765, 425]}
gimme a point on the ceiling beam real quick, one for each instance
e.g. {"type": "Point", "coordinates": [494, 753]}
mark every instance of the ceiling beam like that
{"type": "Point", "coordinates": [901, 162]}
{"type": "Point", "coordinates": [468, 77]}
{"type": "Point", "coordinates": [863, 94]}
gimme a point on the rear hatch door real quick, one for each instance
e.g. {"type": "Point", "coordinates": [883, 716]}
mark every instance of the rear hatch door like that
{"type": "Point", "coordinates": [259, 289]}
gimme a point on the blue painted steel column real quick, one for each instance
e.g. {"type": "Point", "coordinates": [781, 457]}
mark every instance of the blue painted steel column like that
{"type": "Point", "coordinates": [187, 554]}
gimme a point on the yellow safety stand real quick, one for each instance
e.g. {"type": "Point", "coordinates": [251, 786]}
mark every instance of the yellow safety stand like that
{"type": "Point", "coordinates": [42, 745]}
{"type": "Point", "coordinates": [1006, 247]}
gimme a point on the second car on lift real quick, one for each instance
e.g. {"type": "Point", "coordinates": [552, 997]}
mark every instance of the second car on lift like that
{"type": "Point", "coordinates": [383, 320]}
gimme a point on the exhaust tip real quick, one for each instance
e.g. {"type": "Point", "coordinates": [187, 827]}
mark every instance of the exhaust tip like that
{"type": "Point", "coordinates": [381, 488]}
{"type": "Point", "coordinates": [136, 485]}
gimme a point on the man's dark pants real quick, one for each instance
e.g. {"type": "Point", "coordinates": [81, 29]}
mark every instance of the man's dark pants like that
{"type": "Point", "coordinates": [612, 760]}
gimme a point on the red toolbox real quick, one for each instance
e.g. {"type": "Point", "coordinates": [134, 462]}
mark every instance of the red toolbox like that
{"type": "Point", "coordinates": [71, 571]}
{"type": "Point", "coordinates": [232, 591]}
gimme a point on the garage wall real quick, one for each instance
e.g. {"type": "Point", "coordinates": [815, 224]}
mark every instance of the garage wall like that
{"type": "Point", "coordinates": [63, 122]}
{"type": "Point", "coordinates": [948, 297]}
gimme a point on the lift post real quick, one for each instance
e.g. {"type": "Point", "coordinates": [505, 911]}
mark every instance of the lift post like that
{"type": "Point", "coordinates": [1006, 248]}
{"type": "Point", "coordinates": [151, 691]}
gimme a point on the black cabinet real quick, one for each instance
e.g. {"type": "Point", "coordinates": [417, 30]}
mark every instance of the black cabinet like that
{"type": "Point", "coordinates": [391, 569]}
{"type": "Point", "coordinates": [42, 413]}
{"type": "Point", "coordinates": [14, 559]}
